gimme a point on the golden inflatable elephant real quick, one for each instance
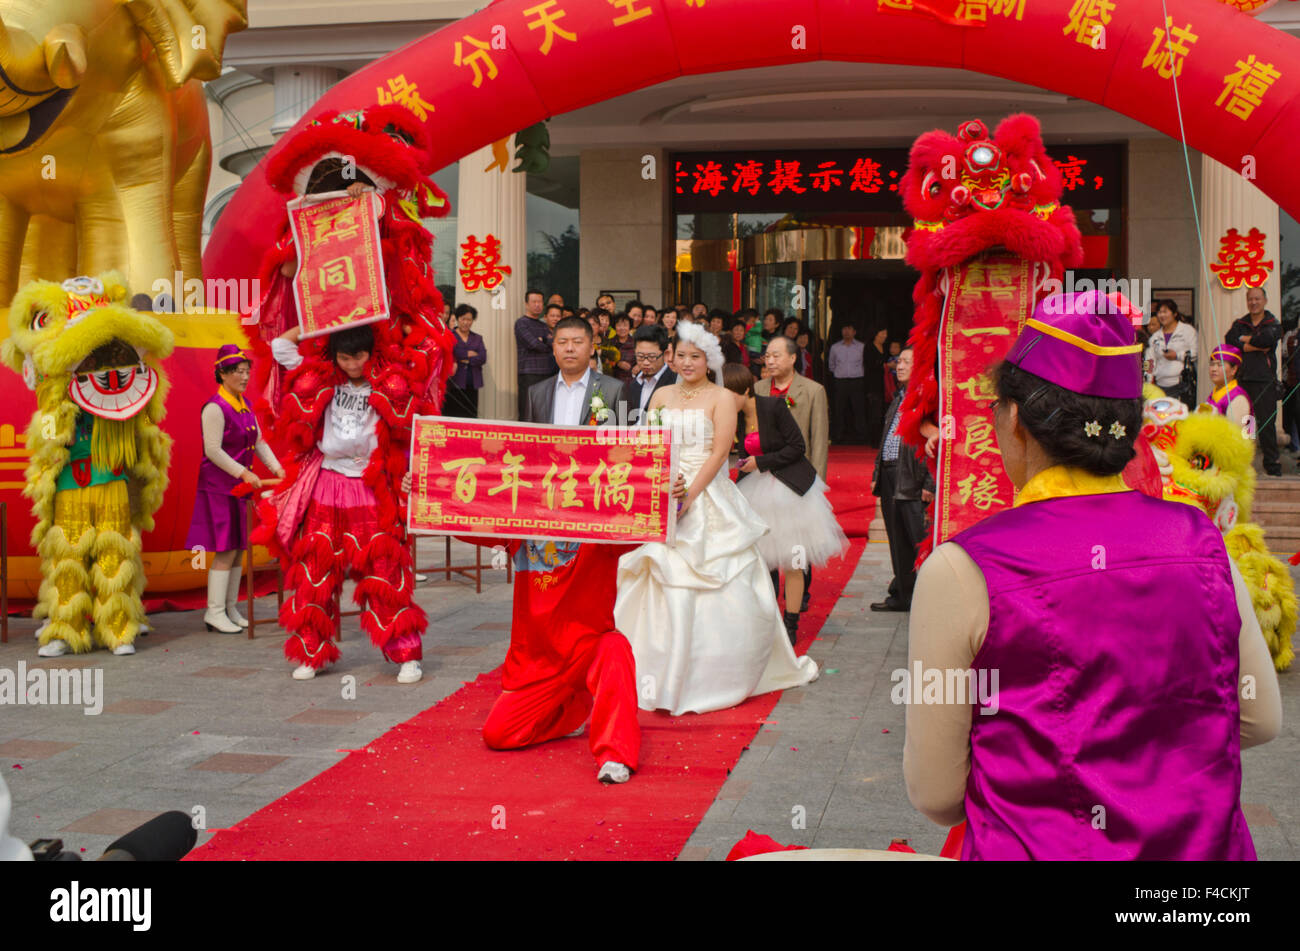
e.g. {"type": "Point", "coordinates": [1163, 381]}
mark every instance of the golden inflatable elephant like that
{"type": "Point", "coordinates": [104, 148]}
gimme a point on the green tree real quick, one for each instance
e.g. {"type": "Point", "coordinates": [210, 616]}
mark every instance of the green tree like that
{"type": "Point", "coordinates": [555, 271]}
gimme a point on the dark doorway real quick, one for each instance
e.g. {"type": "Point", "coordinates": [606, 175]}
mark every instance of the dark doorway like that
{"type": "Point", "coordinates": [871, 303]}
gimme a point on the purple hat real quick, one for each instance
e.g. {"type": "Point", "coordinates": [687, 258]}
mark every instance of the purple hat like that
{"type": "Point", "coordinates": [230, 356]}
{"type": "Point", "coordinates": [1083, 342]}
{"type": "Point", "coordinates": [1226, 353]}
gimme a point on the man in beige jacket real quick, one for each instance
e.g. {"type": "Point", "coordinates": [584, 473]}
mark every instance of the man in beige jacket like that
{"type": "Point", "coordinates": [807, 401]}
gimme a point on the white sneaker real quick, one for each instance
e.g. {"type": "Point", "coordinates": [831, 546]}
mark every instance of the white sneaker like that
{"type": "Point", "coordinates": [578, 732]}
{"type": "Point", "coordinates": [410, 672]}
{"type": "Point", "coordinates": [304, 672]}
{"type": "Point", "coordinates": [420, 579]}
{"type": "Point", "coordinates": [41, 630]}
{"type": "Point", "coordinates": [121, 650]}
{"type": "Point", "coordinates": [614, 772]}
{"type": "Point", "coordinates": [55, 648]}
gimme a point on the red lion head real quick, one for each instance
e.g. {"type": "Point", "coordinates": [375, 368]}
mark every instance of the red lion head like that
{"type": "Point", "coordinates": [384, 146]}
{"type": "Point", "coordinates": [970, 191]}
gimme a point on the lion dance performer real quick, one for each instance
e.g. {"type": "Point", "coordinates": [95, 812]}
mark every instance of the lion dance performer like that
{"type": "Point", "coordinates": [1205, 460]}
{"type": "Point", "coordinates": [401, 365]}
{"type": "Point", "coordinates": [99, 460]}
{"type": "Point", "coordinates": [989, 236]}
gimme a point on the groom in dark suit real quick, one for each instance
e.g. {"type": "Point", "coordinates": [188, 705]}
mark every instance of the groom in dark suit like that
{"type": "Point", "coordinates": [566, 399]}
{"type": "Point", "coordinates": [567, 664]}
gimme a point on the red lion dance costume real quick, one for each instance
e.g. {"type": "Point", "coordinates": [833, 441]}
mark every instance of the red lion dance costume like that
{"type": "Point", "coordinates": [389, 149]}
{"type": "Point", "coordinates": [989, 235]}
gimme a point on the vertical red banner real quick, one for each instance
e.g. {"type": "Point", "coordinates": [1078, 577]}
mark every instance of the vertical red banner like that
{"type": "Point", "coordinates": [340, 278]}
{"type": "Point", "coordinates": [989, 299]}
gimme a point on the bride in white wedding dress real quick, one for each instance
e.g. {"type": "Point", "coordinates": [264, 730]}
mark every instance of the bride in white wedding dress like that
{"type": "Point", "coordinates": [701, 614]}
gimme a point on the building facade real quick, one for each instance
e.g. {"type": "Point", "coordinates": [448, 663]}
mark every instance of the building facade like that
{"type": "Point", "coordinates": [671, 193]}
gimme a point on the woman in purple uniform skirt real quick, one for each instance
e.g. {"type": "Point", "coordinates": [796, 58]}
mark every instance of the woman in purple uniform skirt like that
{"type": "Point", "coordinates": [1107, 635]}
{"type": "Point", "coordinates": [220, 522]}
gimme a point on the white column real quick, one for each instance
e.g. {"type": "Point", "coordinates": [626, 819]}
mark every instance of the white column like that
{"type": "Point", "coordinates": [296, 88]}
{"type": "Point", "coordinates": [493, 203]}
{"type": "Point", "coordinates": [1229, 201]}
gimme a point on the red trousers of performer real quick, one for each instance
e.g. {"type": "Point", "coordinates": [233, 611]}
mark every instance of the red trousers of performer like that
{"type": "Point", "coordinates": [340, 536]}
{"type": "Point", "coordinates": [599, 679]}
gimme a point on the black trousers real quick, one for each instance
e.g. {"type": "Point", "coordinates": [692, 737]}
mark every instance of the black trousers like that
{"type": "Point", "coordinates": [1263, 399]}
{"type": "Point", "coordinates": [905, 526]}
{"type": "Point", "coordinates": [1291, 419]}
{"type": "Point", "coordinates": [875, 419]}
{"type": "Point", "coordinates": [849, 411]}
{"type": "Point", "coordinates": [526, 380]}
{"type": "Point", "coordinates": [461, 403]}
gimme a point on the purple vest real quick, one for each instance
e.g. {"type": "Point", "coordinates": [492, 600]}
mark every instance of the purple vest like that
{"type": "Point", "coordinates": [1230, 393]}
{"type": "Point", "coordinates": [238, 440]}
{"type": "Point", "coordinates": [1116, 734]}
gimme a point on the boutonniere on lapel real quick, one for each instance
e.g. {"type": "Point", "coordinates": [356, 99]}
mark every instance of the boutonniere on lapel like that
{"type": "Point", "coordinates": [789, 401]}
{"type": "Point", "coordinates": [597, 412]}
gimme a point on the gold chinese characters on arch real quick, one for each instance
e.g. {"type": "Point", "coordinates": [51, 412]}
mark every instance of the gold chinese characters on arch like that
{"type": "Point", "coordinates": [340, 279]}
{"type": "Point", "coordinates": [525, 480]}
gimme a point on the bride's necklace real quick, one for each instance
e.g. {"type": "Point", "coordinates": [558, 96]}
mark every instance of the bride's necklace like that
{"type": "Point", "coordinates": [690, 394]}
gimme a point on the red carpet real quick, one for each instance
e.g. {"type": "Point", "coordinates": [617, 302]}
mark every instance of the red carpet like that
{"type": "Point", "coordinates": [849, 471]}
{"type": "Point", "coordinates": [430, 788]}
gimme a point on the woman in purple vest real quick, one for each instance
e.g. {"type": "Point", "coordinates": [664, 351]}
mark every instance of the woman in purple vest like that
{"type": "Point", "coordinates": [220, 522]}
{"type": "Point", "coordinates": [471, 355]}
{"type": "Point", "coordinates": [1102, 718]}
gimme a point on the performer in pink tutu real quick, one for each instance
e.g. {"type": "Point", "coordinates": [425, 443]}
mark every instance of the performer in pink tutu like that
{"type": "Point", "coordinates": [1108, 635]}
{"type": "Point", "coordinates": [330, 523]}
{"type": "Point", "coordinates": [219, 526]}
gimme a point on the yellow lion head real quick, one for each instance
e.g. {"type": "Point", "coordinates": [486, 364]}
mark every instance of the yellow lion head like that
{"type": "Point", "coordinates": [1204, 458]}
{"type": "Point", "coordinates": [82, 338]}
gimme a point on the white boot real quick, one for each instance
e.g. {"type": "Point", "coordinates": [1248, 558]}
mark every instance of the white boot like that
{"type": "Point", "coordinates": [232, 596]}
{"type": "Point", "coordinates": [215, 617]}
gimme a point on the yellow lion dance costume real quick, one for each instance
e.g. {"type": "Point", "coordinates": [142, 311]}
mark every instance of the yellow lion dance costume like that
{"type": "Point", "coordinates": [99, 460]}
{"type": "Point", "coordinates": [1205, 460]}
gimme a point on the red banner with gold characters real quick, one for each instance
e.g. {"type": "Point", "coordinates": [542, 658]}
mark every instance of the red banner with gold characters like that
{"type": "Point", "coordinates": [340, 278]}
{"type": "Point", "coordinates": [527, 480]}
{"type": "Point", "coordinates": [989, 299]}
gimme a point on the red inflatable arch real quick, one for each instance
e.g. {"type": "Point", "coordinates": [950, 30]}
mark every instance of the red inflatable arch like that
{"type": "Point", "coordinates": [519, 61]}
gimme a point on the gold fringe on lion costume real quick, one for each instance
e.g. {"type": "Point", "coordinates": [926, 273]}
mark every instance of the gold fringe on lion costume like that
{"type": "Point", "coordinates": [99, 460]}
{"type": "Point", "coordinates": [1205, 460]}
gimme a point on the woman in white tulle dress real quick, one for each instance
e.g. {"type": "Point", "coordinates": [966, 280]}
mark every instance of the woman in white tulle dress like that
{"type": "Point", "coordinates": [781, 485]}
{"type": "Point", "coordinates": [700, 614]}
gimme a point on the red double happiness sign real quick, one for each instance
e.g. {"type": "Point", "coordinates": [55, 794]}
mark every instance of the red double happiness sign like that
{"type": "Point", "coordinates": [527, 480]}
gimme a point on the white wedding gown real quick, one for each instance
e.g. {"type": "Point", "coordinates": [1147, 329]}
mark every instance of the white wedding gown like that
{"type": "Point", "coordinates": [700, 614]}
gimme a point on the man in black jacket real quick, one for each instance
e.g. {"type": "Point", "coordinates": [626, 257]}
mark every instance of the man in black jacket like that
{"type": "Point", "coordinates": [1257, 335]}
{"type": "Point", "coordinates": [904, 485]}
{"type": "Point", "coordinates": [651, 372]}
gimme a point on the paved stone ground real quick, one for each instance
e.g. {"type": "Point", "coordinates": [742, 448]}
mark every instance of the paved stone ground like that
{"type": "Point", "coordinates": [205, 720]}
{"type": "Point", "coordinates": [200, 719]}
